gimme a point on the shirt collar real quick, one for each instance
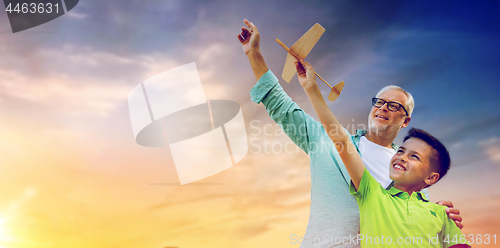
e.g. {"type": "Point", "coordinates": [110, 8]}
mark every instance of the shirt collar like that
{"type": "Point", "coordinates": [362, 132]}
{"type": "Point", "coordinates": [396, 192]}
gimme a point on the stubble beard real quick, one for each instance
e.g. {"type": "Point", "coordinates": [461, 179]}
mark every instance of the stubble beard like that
{"type": "Point", "coordinates": [386, 130]}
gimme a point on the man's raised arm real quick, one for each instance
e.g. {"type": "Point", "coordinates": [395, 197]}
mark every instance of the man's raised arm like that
{"type": "Point", "coordinates": [250, 38]}
{"type": "Point", "coordinates": [337, 134]}
{"type": "Point", "coordinates": [298, 126]}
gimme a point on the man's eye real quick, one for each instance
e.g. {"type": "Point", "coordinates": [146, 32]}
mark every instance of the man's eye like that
{"type": "Point", "coordinates": [394, 105]}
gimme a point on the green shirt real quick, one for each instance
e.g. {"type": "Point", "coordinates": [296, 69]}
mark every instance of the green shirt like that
{"type": "Point", "coordinates": [392, 218]}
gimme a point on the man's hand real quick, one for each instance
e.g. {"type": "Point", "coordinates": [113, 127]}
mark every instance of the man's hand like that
{"type": "Point", "coordinates": [305, 73]}
{"type": "Point", "coordinates": [249, 37]}
{"type": "Point", "coordinates": [453, 213]}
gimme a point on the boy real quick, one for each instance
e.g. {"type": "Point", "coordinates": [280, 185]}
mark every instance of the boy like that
{"type": "Point", "coordinates": [401, 215]}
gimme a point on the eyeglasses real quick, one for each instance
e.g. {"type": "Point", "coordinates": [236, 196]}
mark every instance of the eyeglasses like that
{"type": "Point", "coordinates": [392, 106]}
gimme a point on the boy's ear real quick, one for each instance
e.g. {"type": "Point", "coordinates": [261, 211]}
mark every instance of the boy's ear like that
{"type": "Point", "coordinates": [432, 178]}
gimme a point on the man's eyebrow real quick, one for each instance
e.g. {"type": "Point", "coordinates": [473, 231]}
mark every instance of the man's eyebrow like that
{"type": "Point", "coordinates": [390, 101]}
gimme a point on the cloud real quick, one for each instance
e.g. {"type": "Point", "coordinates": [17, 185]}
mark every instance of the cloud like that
{"type": "Point", "coordinates": [72, 96]}
{"type": "Point", "coordinates": [84, 81]}
{"type": "Point", "coordinates": [15, 205]}
{"type": "Point", "coordinates": [76, 15]}
{"type": "Point", "coordinates": [92, 185]}
{"type": "Point", "coordinates": [491, 147]}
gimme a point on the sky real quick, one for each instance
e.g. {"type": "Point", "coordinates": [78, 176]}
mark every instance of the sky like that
{"type": "Point", "coordinates": [72, 175]}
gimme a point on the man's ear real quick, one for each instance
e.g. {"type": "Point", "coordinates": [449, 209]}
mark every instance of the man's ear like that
{"type": "Point", "coordinates": [406, 122]}
{"type": "Point", "coordinates": [432, 178]}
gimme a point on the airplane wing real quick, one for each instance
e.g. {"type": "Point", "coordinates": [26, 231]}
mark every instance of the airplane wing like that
{"type": "Point", "coordinates": [302, 47]}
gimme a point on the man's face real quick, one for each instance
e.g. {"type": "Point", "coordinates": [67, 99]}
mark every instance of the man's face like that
{"type": "Point", "coordinates": [410, 166]}
{"type": "Point", "coordinates": [382, 121]}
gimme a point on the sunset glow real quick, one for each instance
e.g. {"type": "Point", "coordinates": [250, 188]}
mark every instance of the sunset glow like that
{"type": "Point", "coordinates": [72, 175]}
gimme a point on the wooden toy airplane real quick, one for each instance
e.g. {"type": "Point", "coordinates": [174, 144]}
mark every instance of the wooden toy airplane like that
{"type": "Point", "coordinates": [300, 50]}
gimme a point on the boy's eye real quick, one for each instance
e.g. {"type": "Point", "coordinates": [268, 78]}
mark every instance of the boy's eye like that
{"type": "Point", "coordinates": [415, 156]}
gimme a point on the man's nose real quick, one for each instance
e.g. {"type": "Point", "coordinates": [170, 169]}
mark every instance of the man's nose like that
{"type": "Point", "coordinates": [385, 107]}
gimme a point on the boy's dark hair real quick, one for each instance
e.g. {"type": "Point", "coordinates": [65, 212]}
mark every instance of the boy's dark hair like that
{"type": "Point", "coordinates": [440, 158]}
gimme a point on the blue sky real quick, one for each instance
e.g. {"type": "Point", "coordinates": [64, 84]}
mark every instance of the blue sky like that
{"type": "Point", "coordinates": [65, 83]}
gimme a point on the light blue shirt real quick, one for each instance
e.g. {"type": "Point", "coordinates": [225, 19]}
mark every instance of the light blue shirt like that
{"type": "Point", "coordinates": [334, 213]}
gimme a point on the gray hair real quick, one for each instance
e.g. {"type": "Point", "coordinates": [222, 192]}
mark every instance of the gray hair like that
{"type": "Point", "coordinates": [409, 104]}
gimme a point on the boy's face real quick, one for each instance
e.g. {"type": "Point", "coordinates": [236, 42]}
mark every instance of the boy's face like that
{"type": "Point", "coordinates": [410, 166]}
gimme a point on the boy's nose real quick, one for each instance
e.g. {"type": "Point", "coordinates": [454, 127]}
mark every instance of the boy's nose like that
{"type": "Point", "coordinates": [402, 158]}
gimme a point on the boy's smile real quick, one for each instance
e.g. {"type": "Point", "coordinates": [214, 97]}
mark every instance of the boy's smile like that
{"type": "Point", "coordinates": [399, 166]}
{"type": "Point", "coordinates": [410, 166]}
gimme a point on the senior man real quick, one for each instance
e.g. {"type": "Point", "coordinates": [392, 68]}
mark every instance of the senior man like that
{"type": "Point", "coordinates": [334, 213]}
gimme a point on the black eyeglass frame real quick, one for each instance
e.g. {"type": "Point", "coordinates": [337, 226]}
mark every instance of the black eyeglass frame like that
{"type": "Point", "coordinates": [375, 100]}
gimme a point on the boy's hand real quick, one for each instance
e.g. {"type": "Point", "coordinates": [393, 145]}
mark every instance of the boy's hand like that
{"type": "Point", "coordinates": [249, 37]}
{"type": "Point", "coordinates": [453, 213]}
{"type": "Point", "coordinates": [305, 73]}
